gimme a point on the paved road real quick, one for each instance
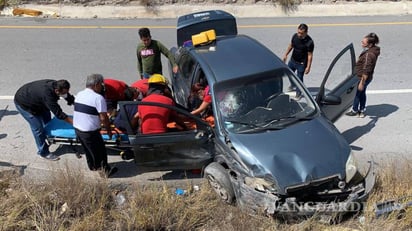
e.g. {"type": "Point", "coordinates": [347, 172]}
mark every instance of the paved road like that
{"type": "Point", "coordinates": [240, 10]}
{"type": "Point", "coordinates": [41, 48]}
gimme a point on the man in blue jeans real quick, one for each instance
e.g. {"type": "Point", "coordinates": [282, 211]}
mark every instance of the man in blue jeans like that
{"type": "Point", "coordinates": [35, 100]}
{"type": "Point", "coordinates": [301, 60]}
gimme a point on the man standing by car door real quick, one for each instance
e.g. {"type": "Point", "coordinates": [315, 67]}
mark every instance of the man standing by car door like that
{"type": "Point", "coordinates": [301, 60]}
{"type": "Point", "coordinates": [149, 55]}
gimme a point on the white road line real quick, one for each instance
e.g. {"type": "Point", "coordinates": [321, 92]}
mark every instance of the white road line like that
{"type": "Point", "coordinates": [389, 91]}
{"type": "Point", "coordinates": [371, 92]}
{"type": "Point", "coordinates": [6, 97]}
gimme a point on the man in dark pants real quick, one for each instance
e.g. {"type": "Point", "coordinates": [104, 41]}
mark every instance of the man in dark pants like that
{"type": "Point", "coordinates": [90, 111]}
{"type": "Point", "coordinates": [301, 60]}
{"type": "Point", "coordinates": [35, 100]}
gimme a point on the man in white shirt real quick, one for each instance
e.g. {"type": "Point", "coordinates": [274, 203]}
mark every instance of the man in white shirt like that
{"type": "Point", "coordinates": [90, 111]}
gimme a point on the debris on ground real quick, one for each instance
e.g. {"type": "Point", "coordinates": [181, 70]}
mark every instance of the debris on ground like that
{"type": "Point", "coordinates": [23, 11]}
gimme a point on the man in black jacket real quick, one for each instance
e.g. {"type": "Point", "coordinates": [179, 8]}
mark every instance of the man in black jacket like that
{"type": "Point", "coordinates": [35, 100]}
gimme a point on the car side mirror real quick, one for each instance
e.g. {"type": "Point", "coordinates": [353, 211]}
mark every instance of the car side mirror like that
{"type": "Point", "coordinates": [331, 100]}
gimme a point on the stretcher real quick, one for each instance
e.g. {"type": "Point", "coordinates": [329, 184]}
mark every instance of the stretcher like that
{"type": "Point", "coordinates": [61, 132]}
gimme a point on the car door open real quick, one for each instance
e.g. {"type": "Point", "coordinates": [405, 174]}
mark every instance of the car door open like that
{"type": "Point", "coordinates": [338, 87]}
{"type": "Point", "coordinates": [189, 149]}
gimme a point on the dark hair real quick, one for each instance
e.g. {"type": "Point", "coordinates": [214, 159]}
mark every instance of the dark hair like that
{"type": "Point", "coordinates": [61, 84]}
{"type": "Point", "coordinates": [372, 38]}
{"type": "Point", "coordinates": [155, 87]}
{"type": "Point", "coordinates": [196, 87]}
{"type": "Point", "coordinates": [129, 93]}
{"type": "Point", "coordinates": [144, 32]}
{"type": "Point", "coordinates": [303, 27]}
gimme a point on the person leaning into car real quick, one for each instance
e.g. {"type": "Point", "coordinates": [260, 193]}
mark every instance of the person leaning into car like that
{"type": "Point", "coordinates": [149, 55]}
{"type": "Point", "coordinates": [205, 107]}
{"type": "Point", "coordinates": [364, 69]}
{"type": "Point", "coordinates": [117, 90]}
{"type": "Point", "coordinates": [35, 100]}
{"type": "Point", "coordinates": [142, 86]}
{"type": "Point", "coordinates": [154, 119]}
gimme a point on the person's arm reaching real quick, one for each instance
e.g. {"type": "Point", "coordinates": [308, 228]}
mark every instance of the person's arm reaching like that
{"type": "Point", "coordinates": [309, 64]}
{"type": "Point", "coordinates": [139, 63]}
{"type": "Point", "coordinates": [169, 55]}
{"type": "Point", "coordinates": [201, 108]}
{"type": "Point", "coordinates": [104, 119]}
{"type": "Point", "coordinates": [135, 121]}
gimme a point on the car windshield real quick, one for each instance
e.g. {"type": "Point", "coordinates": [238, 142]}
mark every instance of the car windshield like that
{"type": "Point", "coordinates": [262, 102]}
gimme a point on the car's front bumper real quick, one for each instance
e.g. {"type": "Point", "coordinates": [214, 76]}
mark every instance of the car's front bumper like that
{"type": "Point", "coordinates": [271, 204]}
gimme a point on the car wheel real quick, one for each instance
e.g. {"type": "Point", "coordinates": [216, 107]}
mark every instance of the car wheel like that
{"type": "Point", "coordinates": [127, 154]}
{"type": "Point", "coordinates": [220, 182]}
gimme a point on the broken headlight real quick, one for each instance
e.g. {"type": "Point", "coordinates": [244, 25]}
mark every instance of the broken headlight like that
{"type": "Point", "coordinates": [261, 184]}
{"type": "Point", "coordinates": [351, 167]}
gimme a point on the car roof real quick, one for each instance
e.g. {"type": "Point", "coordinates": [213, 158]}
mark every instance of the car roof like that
{"type": "Point", "coordinates": [222, 22]}
{"type": "Point", "coordinates": [231, 57]}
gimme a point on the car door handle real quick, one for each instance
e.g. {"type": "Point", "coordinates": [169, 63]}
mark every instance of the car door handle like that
{"type": "Point", "coordinates": [199, 135]}
{"type": "Point", "coordinates": [147, 146]}
{"type": "Point", "coordinates": [349, 90]}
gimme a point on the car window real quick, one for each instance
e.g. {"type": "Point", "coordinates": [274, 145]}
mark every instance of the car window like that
{"type": "Point", "coordinates": [187, 66]}
{"type": "Point", "coordinates": [260, 102]}
{"type": "Point", "coordinates": [182, 84]}
{"type": "Point", "coordinates": [342, 69]}
{"type": "Point", "coordinates": [199, 77]}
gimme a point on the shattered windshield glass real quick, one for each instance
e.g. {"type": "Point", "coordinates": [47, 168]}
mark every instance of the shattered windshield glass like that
{"type": "Point", "coordinates": [262, 102]}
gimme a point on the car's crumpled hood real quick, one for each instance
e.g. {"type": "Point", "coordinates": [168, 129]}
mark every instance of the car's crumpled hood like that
{"type": "Point", "coordinates": [300, 153]}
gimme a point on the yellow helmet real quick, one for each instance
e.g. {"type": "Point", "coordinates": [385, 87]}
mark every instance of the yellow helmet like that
{"type": "Point", "coordinates": [158, 79]}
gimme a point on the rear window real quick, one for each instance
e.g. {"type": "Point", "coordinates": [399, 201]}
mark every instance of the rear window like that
{"type": "Point", "coordinates": [222, 22]}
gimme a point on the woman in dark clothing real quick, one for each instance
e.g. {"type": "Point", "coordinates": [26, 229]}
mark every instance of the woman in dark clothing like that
{"type": "Point", "coordinates": [364, 69]}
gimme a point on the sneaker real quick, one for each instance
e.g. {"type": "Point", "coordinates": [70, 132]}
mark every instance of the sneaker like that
{"type": "Point", "coordinates": [361, 114]}
{"type": "Point", "coordinates": [50, 156]}
{"type": "Point", "coordinates": [290, 88]}
{"type": "Point", "coordinates": [351, 113]}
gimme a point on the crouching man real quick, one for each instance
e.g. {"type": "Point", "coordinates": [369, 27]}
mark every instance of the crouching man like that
{"type": "Point", "coordinates": [35, 101]}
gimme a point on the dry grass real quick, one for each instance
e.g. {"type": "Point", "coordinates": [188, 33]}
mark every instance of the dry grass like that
{"type": "Point", "coordinates": [69, 202]}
